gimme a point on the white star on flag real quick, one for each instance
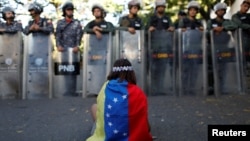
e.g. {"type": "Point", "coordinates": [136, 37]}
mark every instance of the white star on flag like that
{"type": "Point", "coordinates": [108, 115]}
{"type": "Point", "coordinates": [115, 131]}
{"type": "Point", "coordinates": [110, 124]}
{"type": "Point", "coordinates": [124, 96]}
{"type": "Point", "coordinates": [109, 106]}
{"type": "Point", "coordinates": [115, 100]}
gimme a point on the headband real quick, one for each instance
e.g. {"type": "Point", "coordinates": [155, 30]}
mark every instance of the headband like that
{"type": "Point", "coordinates": [122, 68]}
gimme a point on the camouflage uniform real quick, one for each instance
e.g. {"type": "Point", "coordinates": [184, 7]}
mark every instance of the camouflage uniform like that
{"type": "Point", "coordinates": [68, 34]}
{"type": "Point", "coordinates": [12, 28]}
{"type": "Point", "coordinates": [46, 27]}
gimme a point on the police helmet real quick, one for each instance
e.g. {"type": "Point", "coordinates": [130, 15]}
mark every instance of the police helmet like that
{"type": "Point", "coordinates": [193, 4]}
{"type": "Point", "coordinates": [67, 5]}
{"type": "Point", "coordinates": [36, 7]}
{"type": "Point", "coordinates": [220, 6]}
{"type": "Point", "coordinates": [7, 9]}
{"type": "Point", "coordinates": [97, 6]}
{"type": "Point", "coordinates": [160, 3]}
{"type": "Point", "coordinates": [246, 1]}
{"type": "Point", "coordinates": [134, 3]}
{"type": "Point", "coordinates": [182, 13]}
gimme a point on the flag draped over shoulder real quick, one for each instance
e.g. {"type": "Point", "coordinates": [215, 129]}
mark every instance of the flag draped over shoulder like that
{"type": "Point", "coordinates": [121, 113]}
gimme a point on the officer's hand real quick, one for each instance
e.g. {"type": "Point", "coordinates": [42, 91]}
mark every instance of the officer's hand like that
{"type": "Point", "coordinates": [171, 29]}
{"type": "Point", "coordinates": [183, 29]}
{"type": "Point", "coordinates": [60, 49]}
{"type": "Point", "coordinates": [201, 28]}
{"type": "Point", "coordinates": [75, 49]}
{"type": "Point", "coordinates": [218, 29]}
{"type": "Point", "coordinates": [131, 30]}
{"type": "Point", "coordinates": [151, 29]}
{"type": "Point", "coordinates": [36, 27]}
{"type": "Point", "coordinates": [98, 35]}
{"type": "Point", "coordinates": [96, 28]}
{"type": "Point", "coordinates": [32, 27]}
{"type": "Point", "coordinates": [2, 29]}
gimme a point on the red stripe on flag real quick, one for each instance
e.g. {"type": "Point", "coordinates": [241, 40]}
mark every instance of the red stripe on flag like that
{"type": "Point", "coordinates": [138, 115]}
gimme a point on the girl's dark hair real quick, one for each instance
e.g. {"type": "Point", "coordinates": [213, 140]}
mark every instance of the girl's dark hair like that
{"type": "Point", "coordinates": [128, 75]}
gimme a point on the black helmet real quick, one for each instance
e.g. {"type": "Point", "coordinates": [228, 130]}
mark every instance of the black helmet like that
{"type": "Point", "coordinates": [67, 5]}
{"type": "Point", "coordinates": [182, 13]}
{"type": "Point", "coordinates": [97, 6]}
{"type": "Point", "coordinates": [134, 3]}
{"type": "Point", "coordinates": [36, 7]}
{"type": "Point", "coordinates": [7, 9]}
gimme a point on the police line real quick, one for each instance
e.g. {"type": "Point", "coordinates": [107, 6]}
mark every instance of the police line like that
{"type": "Point", "coordinates": [165, 63]}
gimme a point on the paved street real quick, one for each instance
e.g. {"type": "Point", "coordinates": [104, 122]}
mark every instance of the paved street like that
{"type": "Point", "coordinates": [68, 119]}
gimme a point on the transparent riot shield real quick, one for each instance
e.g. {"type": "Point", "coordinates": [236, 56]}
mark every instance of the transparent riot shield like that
{"type": "Point", "coordinates": [225, 63]}
{"type": "Point", "coordinates": [37, 66]}
{"type": "Point", "coordinates": [242, 39]}
{"type": "Point", "coordinates": [66, 65]}
{"type": "Point", "coordinates": [97, 62]}
{"type": "Point", "coordinates": [10, 65]}
{"type": "Point", "coordinates": [162, 61]}
{"type": "Point", "coordinates": [192, 63]}
{"type": "Point", "coordinates": [132, 47]}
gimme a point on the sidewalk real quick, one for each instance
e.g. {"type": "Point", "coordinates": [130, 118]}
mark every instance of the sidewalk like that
{"type": "Point", "coordinates": [68, 119]}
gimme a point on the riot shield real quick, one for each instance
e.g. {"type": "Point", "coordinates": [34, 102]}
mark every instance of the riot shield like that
{"type": "Point", "coordinates": [97, 62]}
{"type": "Point", "coordinates": [66, 65]}
{"type": "Point", "coordinates": [132, 47]}
{"type": "Point", "coordinates": [225, 63]}
{"type": "Point", "coordinates": [10, 65]}
{"type": "Point", "coordinates": [162, 61]}
{"type": "Point", "coordinates": [37, 66]}
{"type": "Point", "coordinates": [192, 62]}
{"type": "Point", "coordinates": [242, 39]}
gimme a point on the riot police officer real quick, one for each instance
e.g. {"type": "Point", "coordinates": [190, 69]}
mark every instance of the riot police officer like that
{"type": "Point", "coordinates": [220, 27]}
{"type": "Point", "coordinates": [181, 14]}
{"type": "Point", "coordinates": [10, 26]}
{"type": "Point", "coordinates": [68, 40]}
{"type": "Point", "coordinates": [191, 22]}
{"type": "Point", "coordinates": [190, 50]}
{"type": "Point", "coordinates": [220, 24]}
{"type": "Point", "coordinates": [132, 21]}
{"type": "Point", "coordinates": [99, 26]}
{"type": "Point", "coordinates": [38, 25]}
{"type": "Point", "coordinates": [160, 21]}
{"type": "Point", "coordinates": [242, 19]}
{"type": "Point", "coordinates": [69, 30]}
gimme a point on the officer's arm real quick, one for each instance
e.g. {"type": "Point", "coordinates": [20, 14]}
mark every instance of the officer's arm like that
{"type": "Point", "coordinates": [181, 23]}
{"type": "Point", "coordinates": [110, 28]}
{"type": "Point", "coordinates": [58, 35]}
{"type": "Point", "coordinates": [238, 22]}
{"type": "Point", "coordinates": [229, 25]}
{"type": "Point", "coordinates": [209, 25]}
{"type": "Point", "coordinates": [26, 30]}
{"type": "Point", "coordinates": [79, 34]}
{"type": "Point", "coordinates": [88, 30]}
{"type": "Point", "coordinates": [171, 24]}
{"type": "Point", "coordinates": [49, 28]}
{"type": "Point", "coordinates": [121, 25]}
{"type": "Point", "coordinates": [14, 29]}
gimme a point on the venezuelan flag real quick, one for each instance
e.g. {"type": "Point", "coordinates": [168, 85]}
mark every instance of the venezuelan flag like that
{"type": "Point", "coordinates": [121, 114]}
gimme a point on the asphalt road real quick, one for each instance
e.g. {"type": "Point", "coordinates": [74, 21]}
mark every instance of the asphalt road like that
{"type": "Point", "coordinates": [68, 119]}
